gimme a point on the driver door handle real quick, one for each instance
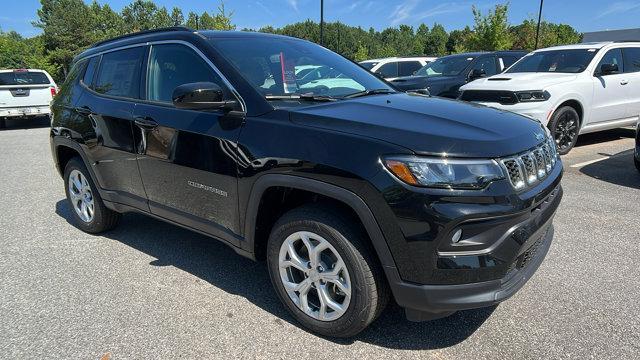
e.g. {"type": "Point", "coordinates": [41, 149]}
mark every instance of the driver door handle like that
{"type": "Point", "coordinates": [624, 82]}
{"type": "Point", "coordinates": [145, 122]}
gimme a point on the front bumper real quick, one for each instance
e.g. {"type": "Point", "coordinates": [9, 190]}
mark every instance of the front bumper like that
{"type": "Point", "coordinates": [25, 111]}
{"type": "Point", "coordinates": [426, 302]}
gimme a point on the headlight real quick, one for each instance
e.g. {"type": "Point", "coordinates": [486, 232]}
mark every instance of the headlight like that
{"type": "Point", "coordinates": [533, 95]}
{"type": "Point", "coordinates": [444, 173]}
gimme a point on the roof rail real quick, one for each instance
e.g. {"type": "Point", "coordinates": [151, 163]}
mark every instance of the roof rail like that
{"type": "Point", "coordinates": [144, 32]}
{"type": "Point", "coordinates": [625, 41]}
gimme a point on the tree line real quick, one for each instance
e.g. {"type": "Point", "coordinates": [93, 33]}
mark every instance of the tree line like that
{"type": "Point", "coordinates": [70, 26]}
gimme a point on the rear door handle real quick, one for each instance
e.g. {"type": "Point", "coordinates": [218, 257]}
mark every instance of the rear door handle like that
{"type": "Point", "coordinates": [145, 122]}
{"type": "Point", "coordinates": [624, 82]}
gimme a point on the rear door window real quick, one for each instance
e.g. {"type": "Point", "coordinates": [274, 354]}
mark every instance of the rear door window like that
{"type": "Point", "coordinates": [20, 77]}
{"type": "Point", "coordinates": [119, 73]}
{"type": "Point", "coordinates": [631, 59]}
{"type": "Point", "coordinates": [407, 68]}
{"type": "Point", "coordinates": [172, 65]}
{"type": "Point", "coordinates": [389, 70]}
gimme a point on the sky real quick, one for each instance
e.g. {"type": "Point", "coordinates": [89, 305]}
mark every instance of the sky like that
{"type": "Point", "coordinates": [583, 15]}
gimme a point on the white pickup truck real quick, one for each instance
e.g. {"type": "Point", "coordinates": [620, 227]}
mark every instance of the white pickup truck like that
{"type": "Point", "coordinates": [25, 93]}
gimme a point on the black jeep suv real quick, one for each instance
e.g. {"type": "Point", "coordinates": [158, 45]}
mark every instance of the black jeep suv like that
{"type": "Point", "coordinates": [352, 192]}
{"type": "Point", "coordinates": [444, 76]}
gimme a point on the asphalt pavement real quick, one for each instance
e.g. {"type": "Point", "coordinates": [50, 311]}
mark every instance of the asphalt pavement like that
{"type": "Point", "coordinates": [149, 290]}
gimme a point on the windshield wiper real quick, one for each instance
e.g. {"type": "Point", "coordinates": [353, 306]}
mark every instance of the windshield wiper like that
{"type": "Point", "coordinates": [305, 97]}
{"type": "Point", "coordinates": [368, 92]}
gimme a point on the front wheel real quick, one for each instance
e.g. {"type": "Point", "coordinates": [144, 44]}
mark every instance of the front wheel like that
{"type": "Point", "coordinates": [88, 210]}
{"type": "Point", "coordinates": [565, 125]}
{"type": "Point", "coordinates": [325, 272]}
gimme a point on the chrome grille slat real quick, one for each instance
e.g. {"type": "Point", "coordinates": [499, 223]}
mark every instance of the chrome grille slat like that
{"type": "Point", "coordinates": [526, 169]}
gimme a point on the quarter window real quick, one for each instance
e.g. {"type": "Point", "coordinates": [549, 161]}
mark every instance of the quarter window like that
{"type": "Point", "coordinates": [172, 65]}
{"type": "Point", "coordinates": [90, 71]}
{"type": "Point", "coordinates": [631, 59]}
{"type": "Point", "coordinates": [119, 73]}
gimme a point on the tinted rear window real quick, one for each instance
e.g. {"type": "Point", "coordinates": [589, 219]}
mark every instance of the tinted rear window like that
{"type": "Point", "coordinates": [119, 73]}
{"type": "Point", "coordinates": [631, 59]}
{"type": "Point", "coordinates": [23, 78]}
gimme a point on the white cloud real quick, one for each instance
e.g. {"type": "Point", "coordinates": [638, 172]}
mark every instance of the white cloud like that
{"type": "Point", "coordinates": [294, 4]}
{"type": "Point", "coordinates": [409, 11]}
{"type": "Point", "coordinates": [619, 7]}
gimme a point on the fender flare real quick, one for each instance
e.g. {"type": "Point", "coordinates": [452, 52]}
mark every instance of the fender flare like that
{"type": "Point", "coordinates": [349, 198]}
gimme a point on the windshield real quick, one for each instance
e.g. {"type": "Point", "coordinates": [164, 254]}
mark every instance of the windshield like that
{"type": "Point", "coordinates": [288, 67]}
{"type": "Point", "coordinates": [23, 78]}
{"type": "Point", "coordinates": [445, 66]}
{"type": "Point", "coordinates": [562, 61]}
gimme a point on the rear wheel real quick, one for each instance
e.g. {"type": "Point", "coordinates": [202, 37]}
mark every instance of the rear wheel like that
{"type": "Point", "coordinates": [325, 272]}
{"type": "Point", "coordinates": [3, 123]}
{"type": "Point", "coordinates": [88, 210]}
{"type": "Point", "coordinates": [565, 125]}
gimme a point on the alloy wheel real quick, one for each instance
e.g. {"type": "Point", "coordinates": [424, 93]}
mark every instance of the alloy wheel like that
{"type": "Point", "coordinates": [565, 131]}
{"type": "Point", "coordinates": [314, 276]}
{"type": "Point", "coordinates": [81, 196]}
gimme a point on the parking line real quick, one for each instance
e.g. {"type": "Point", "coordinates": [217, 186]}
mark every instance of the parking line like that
{"type": "Point", "coordinates": [588, 162]}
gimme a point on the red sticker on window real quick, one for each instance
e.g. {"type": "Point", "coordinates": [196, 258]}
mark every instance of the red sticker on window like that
{"type": "Point", "coordinates": [288, 75]}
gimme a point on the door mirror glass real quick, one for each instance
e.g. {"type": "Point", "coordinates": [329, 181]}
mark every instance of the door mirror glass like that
{"type": "Point", "coordinates": [608, 69]}
{"type": "Point", "coordinates": [200, 96]}
{"type": "Point", "coordinates": [476, 74]}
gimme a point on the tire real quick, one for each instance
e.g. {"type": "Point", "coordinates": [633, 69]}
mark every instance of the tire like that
{"type": "Point", "coordinates": [96, 221]}
{"type": "Point", "coordinates": [565, 126]}
{"type": "Point", "coordinates": [3, 123]}
{"type": "Point", "coordinates": [369, 292]}
{"type": "Point", "coordinates": [637, 163]}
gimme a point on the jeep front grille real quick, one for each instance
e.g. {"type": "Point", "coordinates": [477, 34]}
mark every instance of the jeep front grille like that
{"type": "Point", "coordinates": [526, 169]}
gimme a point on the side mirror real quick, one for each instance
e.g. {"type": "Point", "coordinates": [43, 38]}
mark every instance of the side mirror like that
{"type": "Point", "coordinates": [608, 69]}
{"type": "Point", "coordinates": [200, 96]}
{"type": "Point", "coordinates": [476, 74]}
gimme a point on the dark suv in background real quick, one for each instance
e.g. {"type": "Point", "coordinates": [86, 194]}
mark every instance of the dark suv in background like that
{"type": "Point", "coordinates": [352, 192]}
{"type": "Point", "coordinates": [444, 76]}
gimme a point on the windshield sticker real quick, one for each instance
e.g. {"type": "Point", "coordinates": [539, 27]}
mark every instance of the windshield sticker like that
{"type": "Point", "coordinates": [591, 50]}
{"type": "Point", "coordinates": [469, 59]}
{"type": "Point", "coordinates": [288, 75]}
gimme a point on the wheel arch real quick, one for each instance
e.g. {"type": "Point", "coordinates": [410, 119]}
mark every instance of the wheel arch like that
{"type": "Point", "coordinates": [335, 193]}
{"type": "Point", "coordinates": [576, 105]}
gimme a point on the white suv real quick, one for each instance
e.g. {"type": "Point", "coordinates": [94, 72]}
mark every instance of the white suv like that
{"type": "Point", "coordinates": [25, 93]}
{"type": "Point", "coordinates": [394, 67]}
{"type": "Point", "coordinates": [573, 89]}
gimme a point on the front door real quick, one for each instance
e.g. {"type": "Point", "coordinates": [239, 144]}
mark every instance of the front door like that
{"type": "Point", "coordinates": [186, 156]}
{"type": "Point", "coordinates": [610, 92]}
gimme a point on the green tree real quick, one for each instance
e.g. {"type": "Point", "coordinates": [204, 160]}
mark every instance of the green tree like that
{"type": "Point", "coordinates": [436, 44]}
{"type": "Point", "coordinates": [458, 40]}
{"type": "Point", "coordinates": [491, 31]}
{"type": "Point", "coordinates": [139, 15]}
{"type": "Point", "coordinates": [177, 19]}
{"type": "Point", "coordinates": [362, 53]}
{"type": "Point", "coordinates": [161, 18]}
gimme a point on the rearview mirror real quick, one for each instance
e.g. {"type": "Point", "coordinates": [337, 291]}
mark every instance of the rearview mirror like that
{"type": "Point", "coordinates": [608, 69]}
{"type": "Point", "coordinates": [200, 96]}
{"type": "Point", "coordinates": [476, 74]}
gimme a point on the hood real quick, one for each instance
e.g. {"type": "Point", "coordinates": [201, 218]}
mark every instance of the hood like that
{"type": "Point", "coordinates": [519, 81]}
{"type": "Point", "coordinates": [427, 125]}
{"type": "Point", "coordinates": [420, 82]}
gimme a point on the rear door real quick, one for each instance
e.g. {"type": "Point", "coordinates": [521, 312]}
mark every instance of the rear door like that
{"type": "Point", "coordinates": [112, 83]}
{"type": "Point", "coordinates": [632, 71]}
{"type": "Point", "coordinates": [186, 157]}
{"type": "Point", "coordinates": [610, 92]}
{"type": "Point", "coordinates": [25, 88]}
